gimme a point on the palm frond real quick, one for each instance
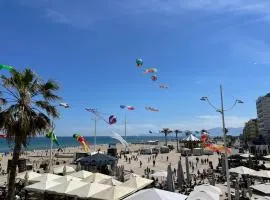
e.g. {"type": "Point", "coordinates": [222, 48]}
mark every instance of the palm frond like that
{"type": "Point", "coordinates": [51, 110]}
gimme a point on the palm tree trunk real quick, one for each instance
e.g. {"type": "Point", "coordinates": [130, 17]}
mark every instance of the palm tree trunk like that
{"type": "Point", "coordinates": [12, 172]}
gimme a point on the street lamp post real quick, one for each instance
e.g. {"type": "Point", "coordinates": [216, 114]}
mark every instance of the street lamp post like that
{"type": "Point", "coordinates": [222, 111]}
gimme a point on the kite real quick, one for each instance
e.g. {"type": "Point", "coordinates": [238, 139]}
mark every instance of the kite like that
{"type": "Point", "coordinates": [63, 104]}
{"type": "Point", "coordinates": [7, 67]}
{"type": "Point", "coordinates": [112, 118]}
{"type": "Point", "coordinates": [53, 137]}
{"type": "Point", "coordinates": [163, 86]}
{"type": "Point", "coordinates": [152, 109]}
{"type": "Point", "coordinates": [83, 142]}
{"type": "Point", "coordinates": [127, 107]}
{"type": "Point", "coordinates": [150, 70]}
{"type": "Point", "coordinates": [119, 138]}
{"type": "Point", "coordinates": [154, 78]}
{"type": "Point", "coordinates": [4, 136]}
{"type": "Point", "coordinates": [139, 62]}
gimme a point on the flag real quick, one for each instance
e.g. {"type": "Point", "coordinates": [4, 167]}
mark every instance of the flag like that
{"type": "Point", "coordinates": [119, 138]}
{"type": "Point", "coordinates": [53, 137]}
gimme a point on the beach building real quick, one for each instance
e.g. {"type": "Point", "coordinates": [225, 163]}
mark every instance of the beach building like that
{"type": "Point", "coordinates": [263, 114]}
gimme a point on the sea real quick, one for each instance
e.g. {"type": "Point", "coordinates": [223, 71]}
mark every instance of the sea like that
{"type": "Point", "coordinates": [39, 143]}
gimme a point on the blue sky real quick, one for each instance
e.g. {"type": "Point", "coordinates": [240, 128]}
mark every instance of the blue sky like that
{"type": "Point", "coordinates": [90, 48]}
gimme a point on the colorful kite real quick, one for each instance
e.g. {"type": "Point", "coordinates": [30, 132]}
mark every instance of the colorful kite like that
{"type": "Point", "coordinates": [112, 118]}
{"type": "Point", "coordinates": [139, 62]}
{"type": "Point", "coordinates": [150, 70]}
{"type": "Point", "coordinates": [83, 142]}
{"type": "Point", "coordinates": [127, 107]}
{"type": "Point", "coordinates": [7, 67]}
{"type": "Point", "coordinates": [63, 104]}
{"type": "Point", "coordinates": [154, 78]}
{"type": "Point", "coordinates": [152, 109]}
{"type": "Point", "coordinates": [163, 86]}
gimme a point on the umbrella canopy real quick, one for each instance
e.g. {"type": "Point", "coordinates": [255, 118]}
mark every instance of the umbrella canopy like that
{"type": "Point", "coordinates": [247, 155]}
{"type": "Point", "coordinates": [202, 195]}
{"type": "Point", "coordinates": [96, 177]}
{"type": "Point", "coordinates": [267, 165]}
{"type": "Point", "coordinates": [81, 174]}
{"type": "Point", "coordinates": [113, 192]}
{"type": "Point", "coordinates": [159, 174]}
{"type": "Point", "coordinates": [241, 170]}
{"type": "Point", "coordinates": [262, 173]}
{"type": "Point", "coordinates": [41, 186]}
{"type": "Point", "coordinates": [110, 182]}
{"type": "Point", "coordinates": [66, 178]}
{"type": "Point", "coordinates": [264, 188]}
{"type": "Point", "coordinates": [208, 188]}
{"type": "Point", "coordinates": [156, 194]}
{"type": "Point", "coordinates": [170, 180]}
{"type": "Point", "coordinates": [62, 169]}
{"type": "Point", "coordinates": [267, 157]}
{"type": "Point", "coordinates": [45, 178]}
{"type": "Point", "coordinates": [191, 138]}
{"type": "Point", "coordinates": [65, 187]}
{"type": "Point", "coordinates": [88, 190]}
{"type": "Point", "coordinates": [180, 175]}
{"type": "Point", "coordinates": [137, 182]}
{"type": "Point", "coordinates": [30, 175]}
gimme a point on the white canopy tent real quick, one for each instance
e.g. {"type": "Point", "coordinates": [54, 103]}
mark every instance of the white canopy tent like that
{"type": "Point", "coordinates": [88, 190]}
{"type": "Point", "coordinates": [156, 194]}
{"type": "Point", "coordinates": [31, 175]}
{"type": "Point", "coordinates": [81, 174]}
{"type": "Point", "coordinates": [61, 169]}
{"type": "Point", "coordinates": [264, 188]}
{"type": "Point", "coordinates": [65, 187]}
{"type": "Point", "coordinates": [267, 157]}
{"type": "Point", "coordinates": [137, 182]}
{"type": "Point", "coordinates": [113, 193]}
{"type": "Point", "coordinates": [96, 177]}
{"type": "Point", "coordinates": [208, 188]}
{"type": "Point", "coordinates": [247, 155]}
{"type": "Point", "coordinates": [45, 178]}
{"type": "Point", "coordinates": [241, 170]}
{"type": "Point", "coordinates": [262, 173]}
{"type": "Point", "coordinates": [66, 178]}
{"type": "Point", "coordinates": [41, 186]}
{"type": "Point", "coordinates": [202, 195]}
{"type": "Point", "coordinates": [110, 182]}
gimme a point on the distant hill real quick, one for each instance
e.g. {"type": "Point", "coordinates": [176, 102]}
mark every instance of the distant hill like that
{"type": "Point", "coordinates": [232, 131]}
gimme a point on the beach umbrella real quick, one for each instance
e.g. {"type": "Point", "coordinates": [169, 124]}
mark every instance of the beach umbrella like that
{"type": "Point", "coordinates": [264, 188]}
{"type": "Point", "coordinates": [41, 186]}
{"type": "Point", "coordinates": [208, 187]}
{"type": "Point", "coordinates": [66, 187]}
{"type": "Point", "coordinates": [113, 193]}
{"type": "Point", "coordinates": [30, 175]}
{"type": "Point", "coordinates": [187, 171]}
{"type": "Point", "coordinates": [81, 174]}
{"type": "Point", "coordinates": [66, 178]}
{"type": "Point", "coordinates": [88, 190]}
{"type": "Point", "coordinates": [241, 170]}
{"type": "Point", "coordinates": [237, 189]}
{"type": "Point", "coordinates": [61, 169]}
{"type": "Point", "coordinates": [110, 182]}
{"type": "Point", "coordinates": [261, 173]}
{"type": "Point", "coordinates": [247, 155]}
{"type": "Point", "coordinates": [45, 178]}
{"type": "Point", "coordinates": [96, 177]}
{"type": "Point", "coordinates": [137, 182]}
{"type": "Point", "coordinates": [202, 195]}
{"type": "Point", "coordinates": [156, 194]}
{"type": "Point", "coordinates": [170, 181]}
{"type": "Point", "coordinates": [180, 175]}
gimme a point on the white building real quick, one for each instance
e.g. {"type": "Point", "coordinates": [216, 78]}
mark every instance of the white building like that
{"type": "Point", "coordinates": [263, 113]}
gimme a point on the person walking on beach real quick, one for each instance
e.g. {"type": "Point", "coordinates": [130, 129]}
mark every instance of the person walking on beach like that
{"type": "Point", "coordinates": [154, 163]}
{"type": "Point", "coordinates": [167, 158]}
{"type": "Point", "coordinates": [140, 164]}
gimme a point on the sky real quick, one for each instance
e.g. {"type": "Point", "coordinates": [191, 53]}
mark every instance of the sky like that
{"type": "Point", "coordinates": [90, 46]}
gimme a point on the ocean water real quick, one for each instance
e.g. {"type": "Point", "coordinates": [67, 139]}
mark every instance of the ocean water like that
{"type": "Point", "coordinates": [44, 143]}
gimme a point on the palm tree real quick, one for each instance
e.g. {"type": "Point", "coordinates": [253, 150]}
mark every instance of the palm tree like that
{"type": "Point", "coordinates": [166, 131]}
{"type": "Point", "coordinates": [27, 112]}
{"type": "Point", "coordinates": [176, 135]}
